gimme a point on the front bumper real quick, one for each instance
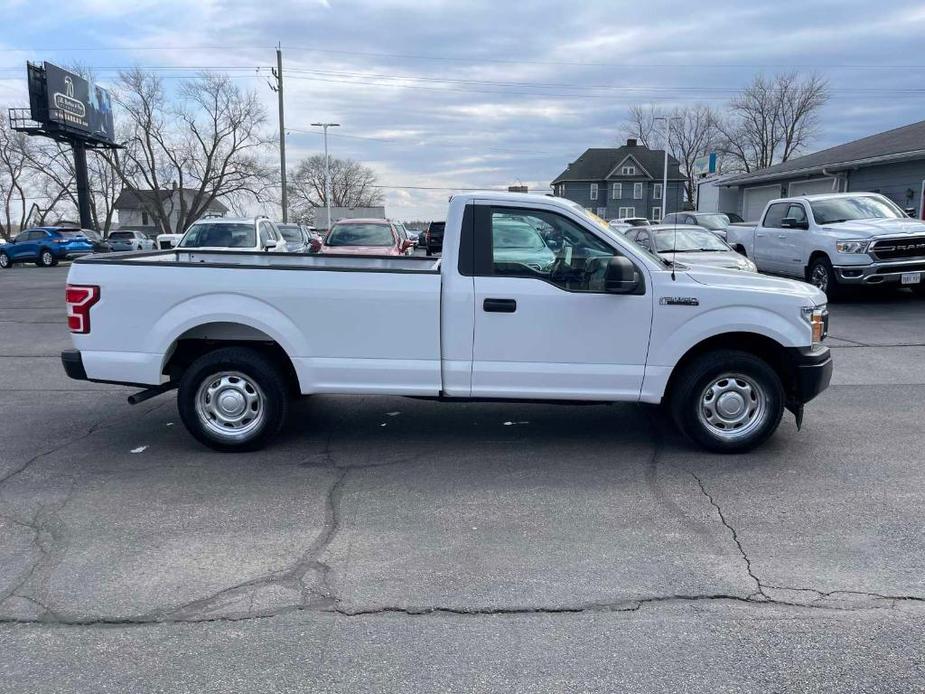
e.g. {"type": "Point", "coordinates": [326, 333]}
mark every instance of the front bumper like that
{"type": "Point", "coordinates": [878, 272]}
{"type": "Point", "coordinates": [812, 372]}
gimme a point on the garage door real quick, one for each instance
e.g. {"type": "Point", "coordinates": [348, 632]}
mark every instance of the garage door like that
{"type": "Point", "coordinates": [817, 185]}
{"type": "Point", "coordinates": [755, 199]}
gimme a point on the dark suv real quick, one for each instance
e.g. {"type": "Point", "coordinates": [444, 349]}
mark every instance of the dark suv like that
{"type": "Point", "coordinates": [433, 237]}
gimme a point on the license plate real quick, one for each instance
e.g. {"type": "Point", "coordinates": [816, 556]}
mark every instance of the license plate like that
{"type": "Point", "coordinates": [911, 278]}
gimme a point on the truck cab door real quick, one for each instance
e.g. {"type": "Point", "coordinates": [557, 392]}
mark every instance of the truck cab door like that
{"type": "Point", "coordinates": [767, 250]}
{"type": "Point", "coordinates": [544, 325]}
{"type": "Point", "coordinates": [791, 239]}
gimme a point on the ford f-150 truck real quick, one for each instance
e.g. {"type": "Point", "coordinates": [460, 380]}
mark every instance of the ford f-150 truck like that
{"type": "Point", "coordinates": [837, 239]}
{"type": "Point", "coordinates": [596, 318]}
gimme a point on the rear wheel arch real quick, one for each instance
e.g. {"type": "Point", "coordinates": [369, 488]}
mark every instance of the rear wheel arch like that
{"type": "Point", "coordinates": [199, 340]}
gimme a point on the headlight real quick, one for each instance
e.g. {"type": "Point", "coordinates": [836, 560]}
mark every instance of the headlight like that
{"type": "Point", "coordinates": [748, 266]}
{"type": "Point", "coordinates": [852, 245]}
{"type": "Point", "coordinates": [818, 319]}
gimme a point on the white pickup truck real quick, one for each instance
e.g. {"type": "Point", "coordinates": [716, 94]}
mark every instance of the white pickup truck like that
{"type": "Point", "coordinates": [502, 316]}
{"type": "Point", "coordinates": [836, 239]}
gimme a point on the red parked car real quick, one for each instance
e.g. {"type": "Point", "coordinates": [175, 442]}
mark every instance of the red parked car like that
{"type": "Point", "coordinates": [367, 237]}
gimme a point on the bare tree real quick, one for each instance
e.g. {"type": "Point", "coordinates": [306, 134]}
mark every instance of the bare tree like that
{"type": "Point", "coordinates": [772, 119]}
{"type": "Point", "coordinates": [14, 163]}
{"type": "Point", "coordinates": [352, 185]}
{"type": "Point", "coordinates": [209, 145]}
{"type": "Point", "coordinates": [692, 134]}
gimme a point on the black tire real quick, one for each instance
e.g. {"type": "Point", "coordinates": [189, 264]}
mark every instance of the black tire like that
{"type": "Point", "coordinates": [46, 259]}
{"type": "Point", "coordinates": [821, 275]}
{"type": "Point", "coordinates": [257, 370]}
{"type": "Point", "coordinates": [919, 289]}
{"type": "Point", "coordinates": [705, 373]}
{"type": "Point", "coordinates": [5, 261]}
{"type": "Point", "coordinates": [428, 251]}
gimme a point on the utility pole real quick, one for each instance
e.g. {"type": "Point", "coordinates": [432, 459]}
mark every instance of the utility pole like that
{"type": "Point", "coordinates": [278, 88]}
{"type": "Point", "coordinates": [83, 183]}
{"type": "Point", "coordinates": [327, 167]}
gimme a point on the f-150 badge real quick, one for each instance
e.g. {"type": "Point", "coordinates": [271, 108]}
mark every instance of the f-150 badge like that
{"type": "Point", "coordinates": [679, 301]}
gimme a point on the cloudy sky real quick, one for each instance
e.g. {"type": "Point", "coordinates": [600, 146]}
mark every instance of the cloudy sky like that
{"type": "Point", "coordinates": [442, 95]}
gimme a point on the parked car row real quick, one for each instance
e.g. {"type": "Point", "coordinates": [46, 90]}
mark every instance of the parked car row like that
{"type": "Point", "coordinates": [47, 246]}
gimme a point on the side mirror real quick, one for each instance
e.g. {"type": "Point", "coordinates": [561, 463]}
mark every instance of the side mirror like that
{"type": "Point", "coordinates": [794, 223]}
{"type": "Point", "coordinates": [269, 244]}
{"type": "Point", "coordinates": [621, 276]}
{"type": "Point", "coordinates": [406, 244]}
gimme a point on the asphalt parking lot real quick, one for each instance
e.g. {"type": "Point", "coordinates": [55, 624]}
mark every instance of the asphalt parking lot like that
{"type": "Point", "coordinates": [387, 544]}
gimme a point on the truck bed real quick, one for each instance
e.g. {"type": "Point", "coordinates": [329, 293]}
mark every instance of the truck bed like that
{"type": "Point", "coordinates": [348, 323]}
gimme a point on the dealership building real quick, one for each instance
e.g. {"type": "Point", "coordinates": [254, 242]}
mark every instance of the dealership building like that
{"type": "Point", "coordinates": [891, 163]}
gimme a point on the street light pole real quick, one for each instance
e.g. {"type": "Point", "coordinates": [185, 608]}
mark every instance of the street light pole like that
{"type": "Point", "coordinates": [327, 167]}
{"type": "Point", "coordinates": [667, 120]}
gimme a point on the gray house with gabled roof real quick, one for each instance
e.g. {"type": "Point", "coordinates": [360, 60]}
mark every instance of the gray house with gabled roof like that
{"type": "Point", "coordinates": [625, 181]}
{"type": "Point", "coordinates": [891, 163]}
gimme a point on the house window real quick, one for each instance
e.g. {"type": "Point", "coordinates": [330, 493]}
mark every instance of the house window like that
{"type": "Point", "coordinates": [627, 212]}
{"type": "Point", "coordinates": [657, 191]}
{"type": "Point", "coordinates": [617, 192]}
{"type": "Point", "coordinates": [602, 212]}
{"type": "Point", "coordinates": [561, 190]}
{"type": "Point", "coordinates": [594, 191]}
{"type": "Point", "coordinates": [637, 191]}
{"type": "Point", "coordinates": [629, 170]}
{"type": "Point", "coordinates": [144, 219]}
{"type": "Point", "coordinates": [656, 214]}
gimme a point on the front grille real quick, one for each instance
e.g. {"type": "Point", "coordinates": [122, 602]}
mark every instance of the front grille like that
{"type": "Point", "coordinates": [898, 249]}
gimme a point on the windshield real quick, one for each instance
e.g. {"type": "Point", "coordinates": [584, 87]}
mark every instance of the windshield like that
{"type": "Point", "coordinates": [121, 236]}
{"type": "Point", "coordinates": [220, 235]}
{"type": "Point", "coordinates": [290, 232]}
{"type": "Point", "coordinates": [638, 222]}
{"type": "Point", "coordinates": [520, 236]}
{"type": "Point", "coordinates": [687, 240]}
{"type": "Point", "coordinates": [835, 210]}
{"type": "Point", "coordinates": [713, 221]}
{"type": "Point", "coordinates": [354, 234]}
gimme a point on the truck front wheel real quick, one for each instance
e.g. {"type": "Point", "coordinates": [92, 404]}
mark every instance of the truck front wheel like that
{"type": "Point", "coordinates": [727, 401]}
{"type": "Point", "coordinates": [233, 399]}
{"type": "Point", "coordinates": [821, 275]}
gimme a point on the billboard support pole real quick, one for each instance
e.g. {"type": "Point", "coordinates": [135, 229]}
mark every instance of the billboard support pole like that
{"type": "Point", "coordinates": [83, 183]}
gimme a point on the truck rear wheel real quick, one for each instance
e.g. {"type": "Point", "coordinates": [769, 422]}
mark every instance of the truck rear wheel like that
{"type": "Point", "coordinates": [233, 399]}
{"type": "Point", "coordinates": [728, 401]}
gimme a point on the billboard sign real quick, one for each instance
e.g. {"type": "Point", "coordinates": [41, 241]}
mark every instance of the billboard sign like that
{"type": "Point", "coordinates": [77, 104]}
{"type": "Point", "coordinates": [705, 165]}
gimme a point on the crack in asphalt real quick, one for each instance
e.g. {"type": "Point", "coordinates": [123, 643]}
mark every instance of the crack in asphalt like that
{"type": "Point", "coordinates": [322, 598]}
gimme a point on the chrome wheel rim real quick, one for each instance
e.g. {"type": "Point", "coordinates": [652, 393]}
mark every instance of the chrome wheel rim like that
{"type": "Point", "coordinates": [820, 277]}
{"type": "Point", "coordinates": [230, 405]}
{"type": "Point", "coordinates": [4, 260]}
{"type": "Point", "coordinates": [46, 258]}
{"type": "Point", "coordinates": [732, 406]}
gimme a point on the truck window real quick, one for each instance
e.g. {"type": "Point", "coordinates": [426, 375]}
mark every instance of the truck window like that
{"type": "Point", "coordinates": [797, 212]}
{"type": "Point", "coordinates": [543, 245]}
{"type": "Point", "coordinates": [775, 213]}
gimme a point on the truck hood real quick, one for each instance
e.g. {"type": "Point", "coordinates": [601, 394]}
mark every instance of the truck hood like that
{"type": "Point", "coordinates": [867, 228]}
{"type": "Point", "coordinates": [724, 259]}
{"type": "Point", "coordinates": [752, 281]}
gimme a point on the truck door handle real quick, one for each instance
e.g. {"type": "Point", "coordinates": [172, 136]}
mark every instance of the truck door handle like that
{"type": "Point", "coordinates": [760, 236]}
{"type": "Point", "coordinates": [499, 305]}
{"type": "Point", "coordinates": [782, 236]}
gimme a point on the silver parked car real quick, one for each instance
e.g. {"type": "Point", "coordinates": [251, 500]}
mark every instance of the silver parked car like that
{"type": "Point", "coordinates": [690, 245]}
{"type": "Point", "coordinates": [130, 241]}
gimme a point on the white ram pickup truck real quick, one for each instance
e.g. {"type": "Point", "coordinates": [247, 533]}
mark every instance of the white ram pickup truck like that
{"type": "Point", "coordinates": [837, 239]}
{"type": "Point", "coordinates": [501, 316]}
